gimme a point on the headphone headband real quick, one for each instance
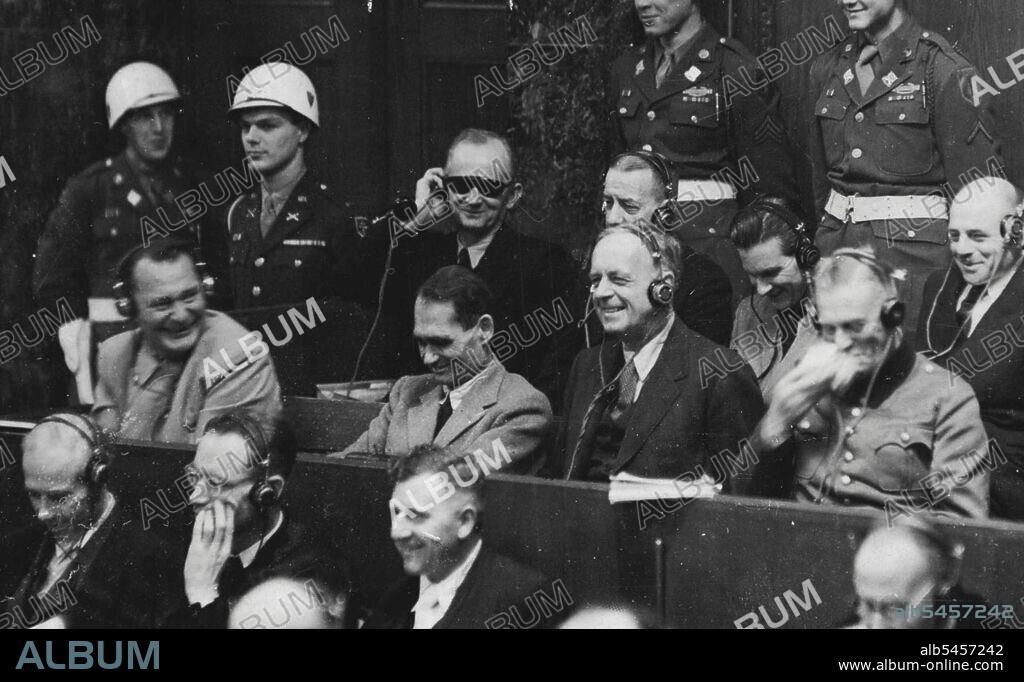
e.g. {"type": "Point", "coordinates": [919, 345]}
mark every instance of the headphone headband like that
{"type": "Point", "coordinates": [122, 288]}
{"type": "Point", "coordinates": [894, 310]}
{"type": "Point", "coordinates": [99, 457]}
{"type": "Point", "coordinates": [807, 253]}
{"type": "Point", "coordinates": [262, 494]}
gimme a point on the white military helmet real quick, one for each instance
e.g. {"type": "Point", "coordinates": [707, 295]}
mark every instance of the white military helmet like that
{"type": "Point", "coordinates": [276, 84]}
{"type": "Point", "coordinates": [137, 85]}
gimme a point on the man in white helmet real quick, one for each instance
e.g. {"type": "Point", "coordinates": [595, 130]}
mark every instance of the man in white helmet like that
{"type": "Point", "coordinates": [100, 214]}
{"type": "Point", "coordinates": [289, 238]}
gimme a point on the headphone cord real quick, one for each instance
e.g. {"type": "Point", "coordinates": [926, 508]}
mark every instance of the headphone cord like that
{"type": "Point", "coordinates": [966, 324]}
{"type": "Point", "coordinates": [376, 318]}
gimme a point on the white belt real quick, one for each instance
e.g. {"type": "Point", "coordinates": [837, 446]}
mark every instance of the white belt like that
{"type": "Point", "coordinates": [104, 310]}
{"type": "Point", "coordinates": [864, 209]}
{"type": "Point", "coordinates": [704, 190]}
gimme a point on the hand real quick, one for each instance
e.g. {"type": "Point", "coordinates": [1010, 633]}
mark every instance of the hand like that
{"type": "Point", "coordinates": [798, 391]}
{"type": "Point", "coordinates": [68, 335]}
{"type": "Point", "coordinates": [428, 185]}
{"type": "Point", "coordinates": [212, 535]}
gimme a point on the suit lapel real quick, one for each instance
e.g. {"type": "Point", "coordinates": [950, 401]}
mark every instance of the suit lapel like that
{"type": "Point", "coordinates": [664, 384]}
{"type": "Point", "coordinates": [422, 417]}
{"type": "Point", "coordinates": [473, 406]}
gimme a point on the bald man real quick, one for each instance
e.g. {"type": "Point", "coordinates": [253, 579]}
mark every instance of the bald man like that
{"type": "Point", "coordinates": [973, 324]}
{"type": "Point", "coordinates": [289, 604]}
{"type": "Point", "coordinates": [899, 571]}
{"type": "Point", "coordinates": [92, 565]}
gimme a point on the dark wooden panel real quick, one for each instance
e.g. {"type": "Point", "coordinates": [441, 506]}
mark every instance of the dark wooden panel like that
{"type": "Point", "coordinates": [328, 425]}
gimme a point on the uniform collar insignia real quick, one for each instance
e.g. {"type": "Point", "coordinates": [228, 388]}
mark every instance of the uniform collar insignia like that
{"type": "Point", "coordinates": [303, 199]}
{"type": "Point", "coordinates": [693, 73]}
{"type": "Point", "coordinates": [639, 68]}
{"type": "Point", "coordinates": [889, 79]}
{"type": "Point", "coordinates": [294, 217]}
{"type": "Point", "coordinates": [134, 198]}
{"type": "Point", "coordinates": [848, 76]}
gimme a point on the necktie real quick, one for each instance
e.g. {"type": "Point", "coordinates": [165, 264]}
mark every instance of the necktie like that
{"type": "Point", "coordinates": [443, 414]}
{"type": "Point", "coordinates": [627, 388]}
{"type": "Point", "coordinates": [232, 578]}
{"type": "Point", "coordinates": [268, 214]}
{"type": "Point", "coordinates": [664, 66]}
{"type": "Point", "coordinates": [464, 258]}
{"type": "Point", "coordinates": [963, 313]}
{"type": "Point", "coordinates": [865, 68]}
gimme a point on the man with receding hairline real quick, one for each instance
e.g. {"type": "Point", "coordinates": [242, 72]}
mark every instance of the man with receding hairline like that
{"type": "Point", "coordinates": [285, 603]}
{"type": "Point", "coordinates": [972, 323]}
{"type": "Point", "coordinates": [83, 571]}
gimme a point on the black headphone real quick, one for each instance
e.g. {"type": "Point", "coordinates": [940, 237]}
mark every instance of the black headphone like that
{"type": "Point", "coordinates": [659, 292]}
{"type": "Point", "coordinates": [124, 302]}
{"type": "Point", "coordinates": [99, 454]}
{"type": "Point", "coordinates": [657, 163]}
{"type": "Point", "coordinates": [894, 311]}
{"type": "Point", "coordinates": [262, 495]}
{"type": "Point", "coordinates": [807, 254]}
{"type": "Point", "coordinates": [1012, 228]}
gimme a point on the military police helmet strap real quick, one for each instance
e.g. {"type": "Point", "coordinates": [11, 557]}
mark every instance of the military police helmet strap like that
{"type": "Point", "coordinates": [1012, 228]}
{"type": "Point", "coordinates": [99, 453]}
{"type": "Point", "coordinates": [276, 84]}
{"type": "Point", "coordinates": [138, 85]}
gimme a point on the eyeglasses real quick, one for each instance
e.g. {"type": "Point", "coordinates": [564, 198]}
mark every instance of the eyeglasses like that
{"type": "Point", "coordinates": [486, 187]}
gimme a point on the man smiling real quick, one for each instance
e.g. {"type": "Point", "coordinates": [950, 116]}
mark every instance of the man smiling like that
{"type": "Point", "coordinates": [152, 380]}
{"type": "Point", "coordinates": [640, 403]}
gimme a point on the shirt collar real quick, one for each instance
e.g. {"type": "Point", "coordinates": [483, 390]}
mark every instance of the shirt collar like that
{"type": "Point", "coordinates": [280, 197]}
{"type": "Point", "coordinates": [458, 394]}
{"type": "Point", "coordinates": [892, 46]}
{"type": "Point", "coordinates": [676, 55]}
{"type": "Point", "coordinates": [999, 284]}
{"type": "Point", "coordinates": [476, 251]}
{"type": "Point", "coordinates": [645, 358]}
{"type": "Point", "coordinates": [248, 555]}
{"type": "Point", "coordinates": [444, 591]}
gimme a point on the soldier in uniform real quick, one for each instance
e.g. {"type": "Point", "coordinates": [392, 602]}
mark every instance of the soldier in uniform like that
{"type": "Point", "coordinates": [289, 239]}
{"type": "Point", "coordinates": [895, 134]}
{"type": "Point", "coordinates": [111, 207]}
{"type": "Point", "coordinates": [700, 100]}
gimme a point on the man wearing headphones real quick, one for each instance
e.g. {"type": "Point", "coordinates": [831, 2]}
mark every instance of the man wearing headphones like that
{"type": "Point", "coordinates": [972, 326]}
{"type": "Point", "coordinates": [291, 238]}
{"type": "Point", "coordinates": [907, 578]}
{"type": "Point", "coordinates": [864, 419]}
{"type": "Point", "coordinates": [637, 188]}
{"type": "Point", "coordinates": [643, 402]}
{"type": "Point", "coordinates": [84, 571]}
{"type": "Point", "coordinates": [184, 364]}
{"type": "Point", "coordinates": [100, 212]}
{"type": "Point", "coordinates": [773, 325]}
{"type": "Point", "coordinates": [242, 535]}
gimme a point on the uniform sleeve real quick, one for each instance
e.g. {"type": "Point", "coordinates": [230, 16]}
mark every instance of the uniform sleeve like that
{"type": "Point", "coordinates": [958, 483]}
{"type": "Point", "coordinates": [964, 131]}
{"type": "Point", "coordinates": [759, 135]}
{"type": "Point", "coordinates": [520, 429]}
{"type": "Point", "coordinates": [375, 438]}
{"type": "Point", "coordinates": [253, 389]}
{"type": "Point", "coordinates": [735, 408]}
{"type": "Point", "coordinates": [820, 185]}
{"type": "Point", "coordinates": [60, 262]}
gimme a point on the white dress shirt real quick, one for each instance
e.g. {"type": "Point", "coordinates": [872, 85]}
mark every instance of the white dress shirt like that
{"type": "Point", "coordinates": [645, 358]}
{"type": "Point", "coordinates": [459, 393]}
{"type": "Point", "coordinates": [995, 290]}
{"type": "Point", "coordinates": [436, 598]}
{"type": "Point", "coordinates": [476, 252]}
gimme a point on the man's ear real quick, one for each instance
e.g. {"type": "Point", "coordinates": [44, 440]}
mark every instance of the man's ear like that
{"type": "Point", "coordinates": [467, 521]}
{"type": "Point", "coordinates": [277, 483]}
{"type": "Point", "coordinates": [305, 126]}
{"type": "Point", "coordinates": [515, 196]}
{"type": "Point", "coordinates": [486, 326]}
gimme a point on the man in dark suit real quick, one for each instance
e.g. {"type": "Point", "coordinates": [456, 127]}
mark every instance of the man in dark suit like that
{"type": "Point", "coordinates": [537, 289]}
{"type": "Point", "coordinates": [636, 186]}
{"type": "Point", "coordinates": [86, 561]}
{"type": "Point", "coordinates": [241, 535]}
{"type": "Point", "coordinates": [468, 402]}
{"type": "Point", "coordinates": [972, 323]}
{"type": "Point", "coordinates": [653, 400]}
{"type": "Point", "coordinates": [454, 581]}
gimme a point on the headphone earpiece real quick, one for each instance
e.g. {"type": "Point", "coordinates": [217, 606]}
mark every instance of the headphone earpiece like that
{"type": "Point", "coordinates": [123, 301]}
{"type": "Point", "coordinates": [1012, 228]}
{"type": "Point", "coordinates": [807, 253]}
{"type": "Point", "coordinates": [262, 494]}
{"type": "Point", "coordinates": [660, 292]}
{"type": "Point", "coordinates": [893, 314]}
{"type": "Point", "coordinates": [99, 455]}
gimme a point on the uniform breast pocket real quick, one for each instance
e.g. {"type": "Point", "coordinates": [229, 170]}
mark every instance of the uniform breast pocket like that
{"type": "Point", "coordinates": [902, 458]}
{"type": "Point", "coordinates": [111, 225]}
{"type": "Point", "coordinates": [830, 112]}
{"type": "Point", "coordinates": [627, 106]}
{"type": "Point", "coordinates": [904, 138]}
{"type": "Point", "coordinates": [694, 125]}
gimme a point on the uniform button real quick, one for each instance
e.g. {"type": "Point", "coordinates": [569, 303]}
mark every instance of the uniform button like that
{"type": "Point", "coordinates": [805, 424]}
{"type": "Point", "coordinates": [135, 379]}
{"type": "Point", "coordinates": [911, 234]}
{"type": "Point", "coordinates": [857, 153]}
{"type": "Point", "coordinates": [859, 118]}
{"type": "Point", "coordinates": [846, 501]}
{"type": "Point", "coordinates": [298, 263]}
{"type": "Point", "coordinates": [824, 110]}
{"type": "Point", "coordinates": [113, 232]}
{"type": "Point", "coordinates": [623, 110]}
{"type": "Point", "coordinates": [926, 34]}
{"type": "Point", "coordinates": [855, 412]}
{"type": "Point", "coordinates": [848, 456]}
{"type": "Point", "coordinates": [712, 230]}
{"type": "Point", "coordinates": [647, 148]}
{"type": "Point", "coordinates": [903, 117]}
{"type": "Point", "coordinates": [259, 262]}
{"type": "Point", "coordinates": [846, 480]}
{"type": "Point", "coordinates": [256, 291]}
{"type": "Point", "coordinates": [650, 115]}
{"type": "Point", "coordinates": [904, 436]}
{"type": "Point", "coordinates": [694, 118]}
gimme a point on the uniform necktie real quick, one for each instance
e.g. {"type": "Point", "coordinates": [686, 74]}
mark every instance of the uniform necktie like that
{"type": "Point", "coordinates": [627, 389]}
{"type": "Point", "coordinates": [268, 214]}
{"type": "Point", "coordinates": [664, 66]}
{"type": "Point", "coordinates": [865, 68]}
{"type": "Point", "coordinates": [464, 258]}
{"type": "Point", "coordinates": [443, 414]}
{"type": "Point", "coordinates": [963, 313]}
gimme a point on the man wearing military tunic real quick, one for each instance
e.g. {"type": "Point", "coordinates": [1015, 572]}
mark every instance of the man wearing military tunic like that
{"type": "Point", "coordinates": [895, 134]}
{"type": "Point", "coordinates": [683, 94]}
